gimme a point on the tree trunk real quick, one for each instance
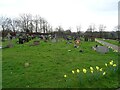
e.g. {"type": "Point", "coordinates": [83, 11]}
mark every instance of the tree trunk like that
{"type": "Point", "coordinates": [36, 27]}
{"type": "Point", "coordinates": [3, 33]}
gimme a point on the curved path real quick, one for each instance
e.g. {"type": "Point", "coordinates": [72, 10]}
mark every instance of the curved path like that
{"type": "Point", "coordinates": [114, 47]}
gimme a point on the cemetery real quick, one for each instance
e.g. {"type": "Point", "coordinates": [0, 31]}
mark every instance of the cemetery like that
{"type": "Point", "coordinates": [39, 61]}
{"type": "Point", "coordinates": [66, 44]}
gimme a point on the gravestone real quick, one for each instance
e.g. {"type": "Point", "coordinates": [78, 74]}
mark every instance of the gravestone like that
{"type": "Point", "coordinates": [54, 40]}
{"type": "Point", "coordinates": [102, 49]}
{"type": "Point", "coordinates": [9, 41]}
{"type": "Point", "coordinates": [36, 42]}
{"type": "Point", "coordinates": [9, 36]}
{"type": "Point", "coordinates": [20, 40]}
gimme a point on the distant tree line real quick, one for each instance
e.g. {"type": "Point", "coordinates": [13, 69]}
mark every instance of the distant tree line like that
{"type": "Point", "coordinates": [102, 33]}
{"type": "Point", "coordinates": [25, 23]}
{"type": "Point", "coordinates": [28, 23]}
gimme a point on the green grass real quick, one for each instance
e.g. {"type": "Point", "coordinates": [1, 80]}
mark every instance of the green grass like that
{"type": "Point", "coordinates": [49, 62]}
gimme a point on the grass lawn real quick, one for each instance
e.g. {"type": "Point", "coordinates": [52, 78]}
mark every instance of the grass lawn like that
{"type": "Point", "coordinates": [49, 62]}
{"type": "Point", "coordinates": [115, 42]}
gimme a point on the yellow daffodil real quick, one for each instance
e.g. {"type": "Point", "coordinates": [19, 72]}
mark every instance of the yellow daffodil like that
{"type": "Point", "coordinates": [101, 69]}
{"type": "Point", "coordinates": [97, 67]}
{"type": "Point", "coordinates": [91, 68]}
{"type": "Point", "coordinates": [78, 70]}
{"type": "Point", "coordinates": [116, 51]}
{"type": "Point", "coordinates": [111, 63]}
{"type": "Point", "coordinates": [114, 65]}
{"type": "Point", "coordinates": [84, 70]}
{"type": "Point", "coordinates": [106, 64]}
{"type": "Point", "coordinates": [104, 73]}
{"type": "Point", "coordinates": [73, 72]}
{"type": "Point", "coordinates": [91, 71]}
{"type": "Point", "coordinates": [69, 50]}
{"type": "Point", "coordinates": [65, 75]}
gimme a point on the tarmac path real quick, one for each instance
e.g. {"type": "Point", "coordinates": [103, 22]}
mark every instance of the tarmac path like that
{"type": "Point", "coordinates": [112, 46]}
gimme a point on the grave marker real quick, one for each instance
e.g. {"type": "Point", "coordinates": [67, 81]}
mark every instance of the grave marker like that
{"type": "Point", "coordinates": [102, 49]}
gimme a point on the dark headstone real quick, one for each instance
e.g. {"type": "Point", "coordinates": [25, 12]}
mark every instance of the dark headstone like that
{"type": "Point", "coordinates": [36, 42]}
{"type": "Point", "coordinates": [20, 41]}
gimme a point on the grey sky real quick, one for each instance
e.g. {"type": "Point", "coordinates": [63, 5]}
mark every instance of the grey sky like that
{"type": "Point", "coordinates": [67, 13]}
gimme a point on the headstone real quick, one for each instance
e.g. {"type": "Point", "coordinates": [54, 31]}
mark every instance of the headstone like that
{"type": "Point", "coordinates": [9, 41]}
{"type": "Point", "coordinates": [54, 40]}
{"type": "Point", "coordinates": [36, 42]}
{"type": "Point", "coordinates": [102, 49]}
{"type": "Point", "coordinates": [86, 38]}
{"type": "Point", "coordinates": [20, 40]}
{"type": "Point", "coordinates": [9, 36]}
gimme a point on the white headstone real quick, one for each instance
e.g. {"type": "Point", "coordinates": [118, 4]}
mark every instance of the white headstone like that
{"type": "Point", "coordinates": [54, 40]}
{"type": "Point", "coordinates": [8, 36]}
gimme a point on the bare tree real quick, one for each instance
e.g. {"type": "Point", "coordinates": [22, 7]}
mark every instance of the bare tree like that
{"type": "Point", "coordinates": [40, 24]}
{"type": "Point", "coordinates": [78, 30]}
{"type": "Point", "coordinates": [101, 28]}
{"type": "Point", "coordinates": [31, 26]}
{"type": "Point", "coordinates": [25, 21]}
{"type": "Point", "coordinates": [4, 25]}
{"type": "Point", "coordinates": [36, 21]}
{"type": "Point", "coordinates": [14, 23]}
{"type": "Point", "coordinates": [44, 26]}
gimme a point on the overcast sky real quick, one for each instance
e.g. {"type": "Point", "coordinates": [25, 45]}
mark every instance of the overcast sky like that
{"type": "Point", "coordinates": [66, 13]}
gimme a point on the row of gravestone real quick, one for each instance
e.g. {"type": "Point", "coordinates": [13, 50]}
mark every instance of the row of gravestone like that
{"type": "Point", "coordinates": [27, 38]}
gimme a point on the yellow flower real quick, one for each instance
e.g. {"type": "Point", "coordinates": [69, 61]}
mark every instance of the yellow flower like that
{"type": "Point", "coordinates": [101, 69]}
{"type": "Point", "coordinates": [91, 68]}
{"type": "Point", "coordinates": [78, 70]}
{"type": "Point", "coordinates": [111, 63]}
{"type": "Point", "coordinates": [104, 73]}
{"type": "Point", "coordinates": [91, 71]}
{"type": "Point", "coordinates": [114, 65]}
{"type": "Point", "coordinates": [84, 70]}
{"type": "Point", "coordinates": [73, 72]}
{"type": "Point", "coordinates": [97, 67]}
{"type": "Point", "coordinates": [116, 51]}
{"type": "Point", "coordinates": [106, 64]}
{"type": "Point", "coordinates": [65, 75]}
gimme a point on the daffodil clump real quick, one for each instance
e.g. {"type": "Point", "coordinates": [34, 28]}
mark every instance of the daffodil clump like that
{"type": "Point", "coordinates": [112, 66]}
{"type": "Point", "coordinates": [93, 73]}
{"type": "Point", "coordinates": [115, 51]}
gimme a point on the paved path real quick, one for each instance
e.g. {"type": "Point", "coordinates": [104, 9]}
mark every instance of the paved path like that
{"type": "Point", "coordinates": [114, 47]}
